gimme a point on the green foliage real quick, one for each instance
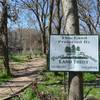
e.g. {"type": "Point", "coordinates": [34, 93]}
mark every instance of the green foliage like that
{"type": "Point", "coordinates": [3, 76]}
{"type": "Point", "coordinates": [26, 95]}
{"type": "Point", "coordinates": [23, 57]}
{"type": "Point", "coordinates": [1, 61]}
{"type": "Point", "coordinates": [29, 94]}
{"type": "Point", "coordinates": [89, 76]}
{"type": "Point", "coordinates": [95, 92]}
{"type": "Point", "coordinates": [50, 77]}
{"type": "Point", "coordinates": [72, 49]}
{"type": "Point", "coordinates": [52, 85]}
{"type": "Point", "coordinates": [45, 87]}
{"type": "Point", "coordinates": [19, 57]}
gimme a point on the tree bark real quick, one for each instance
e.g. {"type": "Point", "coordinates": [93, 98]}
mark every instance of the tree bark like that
{"type": "Point", "coordinates": [4, 37]}
{"type": "Point", "coordinates": [44, 42]}
{"type": "Point", "coordinates": [51, 16]}
{"type": "Point", "coordinates": [59, 16]}
{"type": "Point", "coordinates": [70, 11]}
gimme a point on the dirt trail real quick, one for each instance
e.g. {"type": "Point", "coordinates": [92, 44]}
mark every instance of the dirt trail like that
{"type": "Point", "coordinates": [25, 73]}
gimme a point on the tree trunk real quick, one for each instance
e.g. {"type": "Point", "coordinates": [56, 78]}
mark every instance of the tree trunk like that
{"type": "Point", "coordinates": [59, 16]}
{"type": "Point", "coordinates": [72, 27]}
{"type": "Point", "coordinates": [50, 16]}
{"type": "Point", "coordinates": [4, 36]}
{"type": "Point", "coordinates": [44, 42]}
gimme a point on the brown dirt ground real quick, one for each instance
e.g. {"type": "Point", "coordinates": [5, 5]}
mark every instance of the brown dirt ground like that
{"type": "Point", "coordinates": [25, 73]}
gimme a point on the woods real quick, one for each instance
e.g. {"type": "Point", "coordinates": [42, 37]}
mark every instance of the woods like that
{"type": "Point", "coordinates": [26, 27]}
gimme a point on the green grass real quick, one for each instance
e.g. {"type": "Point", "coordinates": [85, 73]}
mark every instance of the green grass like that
{"type": "Point", "coordinates": [23, 57]}
{"type": "Point", "coordinates": [28, 94]}
{"type": "Point", "coordinates": [54, 91]}
{"type": "Point", "coordinates": [46, 87]}
{"type": "Point", "coordinates": [50, 77]}
{"type": "Point", "coordinates": [95, 92]}
{"type": "Point", "coordinates": [1, 61]}
{"type": "Point", "coordinates": [89, 76]}
{"type": "Point", "coordinates": [57, 90]}
{"type": "Point", "coordinates": [3, 76]}
{"type": "Point", "coordinates": [18, 57]}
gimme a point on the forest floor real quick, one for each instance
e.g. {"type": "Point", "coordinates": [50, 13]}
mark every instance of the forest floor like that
{"type": "Point", "coordinates": [24, 74]}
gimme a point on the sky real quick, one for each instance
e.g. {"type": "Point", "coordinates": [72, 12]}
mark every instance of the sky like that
{"type": "Point", "coordinates": [24, 21]}
{"type": "Point", "coordinates": [23, 18]}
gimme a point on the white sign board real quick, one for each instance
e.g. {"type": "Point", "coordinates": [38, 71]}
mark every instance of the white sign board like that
{"type": "Point", "coordinates": [74, 53]}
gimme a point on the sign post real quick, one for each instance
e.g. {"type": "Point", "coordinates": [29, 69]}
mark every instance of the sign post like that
{"type": "Point", "coordinates": [74, 53]}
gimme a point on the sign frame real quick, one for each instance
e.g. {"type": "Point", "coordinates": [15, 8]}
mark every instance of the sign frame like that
{"type": "Point", "coordinates": [48, 57]}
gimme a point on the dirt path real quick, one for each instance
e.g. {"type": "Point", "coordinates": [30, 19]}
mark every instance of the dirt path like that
{"type": "Point", "coordinates": [25, 74]}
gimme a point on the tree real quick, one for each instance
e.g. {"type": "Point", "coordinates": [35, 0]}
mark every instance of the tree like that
{"type": "Point", "coordinates": [68, 49]}
{"type": "Point", "coordinates": [40, 10]}
{"type": "Point", "coordinates": [72, 27]}
{"type": "Point", "coordinates": [73, 49]}
{"type": "Point", "coordinates": [89, 14]}
{"type": "Point", "coordinates": [78, 48]}
{"type": "Point", "coordinates": [51, 16]}
{"type": "Point", "coordinates": [57, 16]}
{"type": "Point", "coordinates": [4, 36]}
